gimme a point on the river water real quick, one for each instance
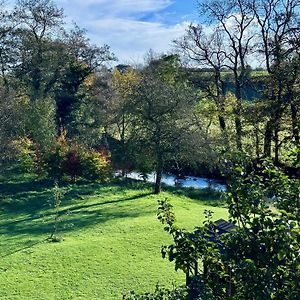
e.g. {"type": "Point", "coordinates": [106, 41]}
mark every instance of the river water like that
{"type": "Point", "coordinates": [186, 182]}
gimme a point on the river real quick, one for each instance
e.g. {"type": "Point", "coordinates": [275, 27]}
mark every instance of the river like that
{"type": "Point", "coordinates": [186, 182]}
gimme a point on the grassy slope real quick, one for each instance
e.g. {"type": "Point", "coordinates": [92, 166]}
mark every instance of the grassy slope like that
{"type": "Point", "coordinates": [112, 240]}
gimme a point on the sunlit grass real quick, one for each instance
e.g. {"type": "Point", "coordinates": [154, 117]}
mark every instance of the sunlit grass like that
{"type": "Point", "coordinates": [112, 239]}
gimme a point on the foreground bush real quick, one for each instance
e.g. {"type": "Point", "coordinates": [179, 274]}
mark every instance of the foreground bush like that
{"type": "Point", "coordinates": [259, 259]}
{"type": "Point", "coordinates": [160, 293]}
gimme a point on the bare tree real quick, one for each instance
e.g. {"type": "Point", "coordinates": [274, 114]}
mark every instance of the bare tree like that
{"type": "Point", "coordinates": [206, 50]}
{"type": "Point", "coordinates": [239, 31]}
{"type": "Point", "coordinates": [235, 19]}
{"type": "Point", "coordinates": [278, 22]}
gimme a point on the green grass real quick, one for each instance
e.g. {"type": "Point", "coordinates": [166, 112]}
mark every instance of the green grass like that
{"type": "Point", "coordinates": [112, 238]}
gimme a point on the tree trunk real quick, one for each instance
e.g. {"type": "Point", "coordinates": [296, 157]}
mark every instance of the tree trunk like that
{"type": "Point", "coordinates": [238, 126]}
{"type": "Point", "coordinates": [238, 109]}
{"type": "Point", "coordinates": [159, 171]}
{"type": "Point", "coordinates": [276, 128]}
{"type": "Point", "coordinates": [276, 146]}
{"type": "Point", "coordinates": [157, 188]}
{"type": "Point", "coordinates": [268, 139]}
{"type": "Point", "coordinates": [295, 124]}
{"type": "Point", "coordinates": [187, 278]}
{"type": "Point", "coordinates": [222, 123]}
{"type": "Point", "coordinates": [257, 142]}
{"type": "Point", "coordinates": [221, 107]}
{"type": "Point", "coordinates": [123, 148]}
{"type": "Point", "coordinates": [238, 112]}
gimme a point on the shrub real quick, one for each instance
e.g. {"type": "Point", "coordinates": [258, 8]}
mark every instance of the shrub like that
{"type": "Point", "coordinates": [53, 162]}
{"type": "Point", "coordinates": [25, 154]}
{"type": "Point", "coordinates": [63, 159]}
{"type": "Point", "coordinates": [96, 165]}
{"type": "Point", "coordinates": [160, 293]}
{"type": "Point", "coordinates": [74, 161]}
{"type": "Point", "coordinates": [259, 258]}
{"type": "Point", "coordinates": [72, 164]}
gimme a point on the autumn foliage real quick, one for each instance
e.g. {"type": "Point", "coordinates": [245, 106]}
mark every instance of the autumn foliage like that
{"type": "Point", "coordinates": [64, 160]}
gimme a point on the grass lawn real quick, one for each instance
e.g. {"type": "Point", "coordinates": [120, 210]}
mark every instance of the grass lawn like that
{"type": "Point", "coordinates": [112, 238]}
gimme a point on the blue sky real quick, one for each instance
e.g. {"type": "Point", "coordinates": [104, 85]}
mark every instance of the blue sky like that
{"type": "Point", "coordinates": [132, 27]}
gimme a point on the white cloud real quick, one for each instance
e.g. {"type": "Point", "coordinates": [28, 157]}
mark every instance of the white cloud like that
{"type": "Point", "coordinates": [117, 23]}
{"type": "Point", "coordinates": [119, 7]}
{"type": "Point", "coordinates": [131, 39]}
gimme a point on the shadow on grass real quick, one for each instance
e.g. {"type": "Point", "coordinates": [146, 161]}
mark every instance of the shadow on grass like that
{"type": "Point", "coordinates": [208, 196]}
{"type": "Point", "coordinates": [31, 197]}
{"type": "Point", "coordinates": [77, 217]}
{"type": "Point", "coordinates": [25, 186]}
{"type": "Point", "coordinates": [31, 245]}
{"type": "Point", "coordinates": [74, 209]}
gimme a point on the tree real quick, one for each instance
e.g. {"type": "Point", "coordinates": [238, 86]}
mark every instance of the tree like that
{"type": "Point", "coordinates": [162, 117]}
{"type": "Point", "coordinates": [226, 46]}
{"type": "Point", "coordinates": [236, 33]}
{"type": "Point", "coordinates": [82, 61]}
{"type": "Point", "coordinates": [52, 61]}
{"type": "Point", "coordinates": [39, 58]}
{"type": "Point", "coordinates": [207, 50]}
{"type": "Point", "coordinates": [234, 20]}
{"type": "Point", "coordinates": [11, 122]}
{"type": "Point", "coordinates": [47, 68]}
{"type": "Point", "coordinates": [124, 83]}
{"type": "Point", "coordinates": [7, 45]}
{"type": "Point", "coordinates": [278, 30]}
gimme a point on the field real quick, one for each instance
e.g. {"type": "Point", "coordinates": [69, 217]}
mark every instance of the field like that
{"type": "Point", "coordinates": [111, 238]}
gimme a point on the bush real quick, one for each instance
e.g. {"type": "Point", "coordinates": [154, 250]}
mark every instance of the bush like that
{"type": "Point", "coordinates": [160, 293]}
{"type": "Point", "coordinates": [96, 165]}
{"type": "Point", "coordinates": [76, 161]}
{"type": "Point", "coordinates": [63, 159]}
{"type": "Point", "coordinates": [25, 154]}
{"type": "Point", "coordinates": [259, 258]}
{"type": "Point", "coordinates": [72, 164]}
{"type": "Point", "coordinates": [53, 162]}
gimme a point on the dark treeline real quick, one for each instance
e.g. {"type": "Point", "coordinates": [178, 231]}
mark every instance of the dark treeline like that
{"type": "Point", "coordinates": [165, 116]}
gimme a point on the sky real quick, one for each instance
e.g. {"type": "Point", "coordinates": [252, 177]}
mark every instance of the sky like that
{"type": "Point", "coordinates": [131, 27]}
